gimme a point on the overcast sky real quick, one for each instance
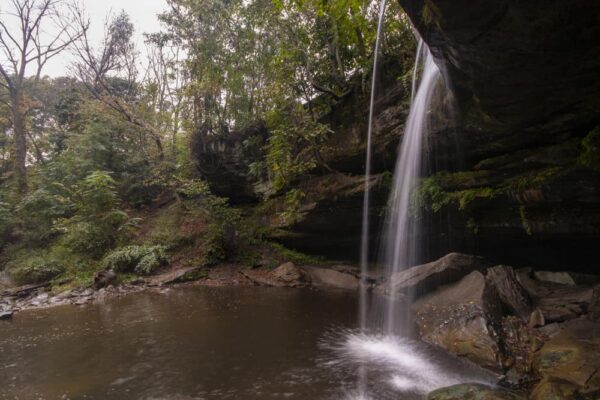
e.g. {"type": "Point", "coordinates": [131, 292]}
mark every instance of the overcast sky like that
{"type": "Point", "coordinates": [143, 14]}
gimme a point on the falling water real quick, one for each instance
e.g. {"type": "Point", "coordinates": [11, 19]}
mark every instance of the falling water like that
{"type": "Point", "coordinates": [364, 245]}
{"type": "Point", "coordinates": [406, 367]}
{"type": "Point", "coordinates": [401, 247]}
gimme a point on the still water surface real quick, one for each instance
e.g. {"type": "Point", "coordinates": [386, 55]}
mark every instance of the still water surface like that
{"type": "Point", "coordinates": [212, 343]}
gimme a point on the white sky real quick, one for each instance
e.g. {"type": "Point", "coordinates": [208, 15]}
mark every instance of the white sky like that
{"type": "Point", "coordinates": [143, 14]}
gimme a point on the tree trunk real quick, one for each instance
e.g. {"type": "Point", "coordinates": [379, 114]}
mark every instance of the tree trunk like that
{"type": "Point", "coordinates": [20, 143]}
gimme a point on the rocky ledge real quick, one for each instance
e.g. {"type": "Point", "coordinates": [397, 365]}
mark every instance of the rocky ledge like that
{"type": "Point", "coordinates": [540, 330]}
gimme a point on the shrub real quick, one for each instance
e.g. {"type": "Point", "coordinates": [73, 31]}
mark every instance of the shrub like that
{"type": "Point", "coordinates": [38, 212]}
{"type": "Point", "coordinates": [143, 260]}
{"type": "Point", "coordinates": [98, 224]}
{"type": "Point", "coordinates": [36, 269]}
{"type": "Point", "coordinates": [7, 222]}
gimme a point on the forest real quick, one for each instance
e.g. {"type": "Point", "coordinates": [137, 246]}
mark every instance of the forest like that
{"type": "Point", "coordinates": [87, 158]}
{"type": "Point", "coordinates": [299, 199]}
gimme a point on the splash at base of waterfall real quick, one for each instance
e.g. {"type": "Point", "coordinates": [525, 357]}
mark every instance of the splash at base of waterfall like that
{"type": "Point", "coordinates": [397, 366]}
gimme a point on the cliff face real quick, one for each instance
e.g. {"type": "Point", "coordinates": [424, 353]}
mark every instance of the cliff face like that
{"type": "Point", "coordinates": [514, 171]}
{"type": "Point", "coordinates": [525, 76]}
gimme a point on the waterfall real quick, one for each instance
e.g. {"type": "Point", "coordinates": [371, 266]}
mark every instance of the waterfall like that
{"type": "Point", "coordinates": [401, 245]}
{"type": "Point", "coordinates": [364, 245]}
{"type": "Point", "coordinates": [388, 363]}
{"type": "Point", "coordinates": [401, 240]}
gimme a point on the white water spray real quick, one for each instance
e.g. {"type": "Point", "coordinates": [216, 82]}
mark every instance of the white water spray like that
{"type": "Point", "coordinates": [402, 244]}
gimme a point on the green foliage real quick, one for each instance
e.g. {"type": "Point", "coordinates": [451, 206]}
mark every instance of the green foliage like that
{"type": "Point", "coordinates": [286, 254]}
{"type": "Point", "coordinates": [293, 202]}
{"type": "Point", "coordinates": [143, 260]}
{"type": "Point", "coordinates": [34, 269]}
{"type": "Point", "coordinates": [39, 211]}
{"type": "Point", "coordinates": [432, 193]}
{"type": "Point", "coordinates": [7, 223]}
{"type": "Point", "coordinates": [97, 224]}
{"type": "Point", "coordinates": [294, 144]}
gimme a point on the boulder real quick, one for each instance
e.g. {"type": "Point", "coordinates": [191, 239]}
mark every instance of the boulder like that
{"type": "Point", "coordinates": [549, 389]}
{"type": "Point", "coordinates": [555, 302]}
{"type": "Point", "coordinates": [509, 290]}
{"type": "Point", "coordinates": [423, 278]}
{"type": "Point", "coordinates": [329, 278]}
{"type": "Point", "coordinates": [572, 356]}
{"type": "Point", "coordinates": [473, 391]}
{"type": "Point", "coordinates": [563, 303]}
{"type": "Point", "coordinates": [463, 318]}
{"type": "Point", "coordinates": [288, 274]}
{"type": "Point", "coordinates": [561, 278]}
{"type": "Point", "coordinates": [104, 279]}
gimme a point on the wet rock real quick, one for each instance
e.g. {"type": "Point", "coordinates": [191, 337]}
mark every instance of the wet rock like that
{"type": "Point", "coordinates": [104, 278]}
{"type": "Point", "coordinates": [423, 278]}
{"type": "Point", "coordinates": [290, 275]}
{"type": "Point", "coordinates": [169, 277]}
{"type": "Point", "coordinates": [463, 318]}
{"type": "Point", "coordinates": [550, 330]}
{"type": "Point", "coordinates": [550, 389]}
{"type": "Point", "coordinates": [561, 278]}
{"type": "Point", "coordinates": [535, 289]}
{"type": "Point", "coordinates": [472, 391]}
{"type": "Point", "coordinates": [6, 315]}
{"type": "Point", "coordinates": [572, 356]}
{"type": "Point", "coordinates": [594, 308]}
{"type": "Point", "coordinates": [329, 278]}
{"type": "Point", "coordinates": [564, 303]}
{"type": "Point", "coordinates": [516, 344]}
{"type": "Point", "coordinates": [286, 275]}
{"type": "Point", "coordinates": [509, 290]}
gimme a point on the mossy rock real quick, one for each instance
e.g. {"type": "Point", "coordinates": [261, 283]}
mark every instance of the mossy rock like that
{"type": "Point", "coordinates": [192, 275]}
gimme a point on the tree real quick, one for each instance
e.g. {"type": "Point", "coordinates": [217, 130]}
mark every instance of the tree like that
{"type": "Point", "coordinates": [110, 73]}
{"type": "Point", "coordinates": [43, 29]}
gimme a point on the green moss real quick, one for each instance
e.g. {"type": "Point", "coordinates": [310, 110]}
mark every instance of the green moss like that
{"type": "Point", "coordinates": [432, 193]}
{"type": "Point", "coordinates": [533, 180]}
{"type": "Point", "coordinates": [590, 153]}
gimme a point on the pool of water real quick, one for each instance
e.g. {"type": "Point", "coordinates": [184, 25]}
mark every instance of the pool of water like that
{"type": "Point", "coordinates": [215, 343]}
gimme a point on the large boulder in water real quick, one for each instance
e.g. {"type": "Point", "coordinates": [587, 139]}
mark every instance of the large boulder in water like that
{"type": "Point", "coordinates": [473, 391]}
{"type": "Point", "coordinates": [421, 279]}
{"type": "Point", "coordinates": [462, 318]}
{"type": "Point", "coordinates": [329, 278]}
